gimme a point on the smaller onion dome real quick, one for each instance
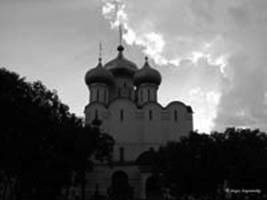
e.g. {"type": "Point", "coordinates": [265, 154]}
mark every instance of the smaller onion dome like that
{"type": "Point", "coordinates": [99, 75]}
{"type": "Point", "coordinates": [147, 75]}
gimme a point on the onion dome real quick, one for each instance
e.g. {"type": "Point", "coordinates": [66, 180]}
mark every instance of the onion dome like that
{"type": "Point", "coordinates": [99, 75]}
{"type": "Point", "coordinates": [147, 75]}
{"type": "Point", "coordinates": [120, 65]}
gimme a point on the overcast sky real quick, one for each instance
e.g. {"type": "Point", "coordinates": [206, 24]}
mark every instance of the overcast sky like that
{"type": "Point", "coordinates": [212, 54]}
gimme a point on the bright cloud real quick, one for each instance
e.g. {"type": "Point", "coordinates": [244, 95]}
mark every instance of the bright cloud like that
{"type": "Point", "coordinates": [194, 38]}
{"type": "Point", "coordinates": [204, 115]}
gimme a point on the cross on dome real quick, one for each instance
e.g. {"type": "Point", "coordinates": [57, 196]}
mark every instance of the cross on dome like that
{"type": "Point", "coordinates": [100, 52]}
{"type": "Point", "coordinates": [120, 34]}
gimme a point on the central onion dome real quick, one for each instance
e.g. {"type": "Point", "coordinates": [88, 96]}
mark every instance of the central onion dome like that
{"type": "Point", "coordinates": [120, 65]}
{"type": "Point", "coordinates": [99, 75]}
{"type": "Point", "coordinates": [147, 75]}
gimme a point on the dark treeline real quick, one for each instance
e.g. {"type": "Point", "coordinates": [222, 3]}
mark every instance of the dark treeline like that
{"type": "Point", "coordinates": [41, 143]}
{"type": "Point", "coordinates": [209, 164]}
{"type": "Point", "coordinates": [44, 148]}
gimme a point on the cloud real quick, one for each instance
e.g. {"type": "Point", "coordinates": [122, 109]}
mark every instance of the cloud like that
{"type": "Point", "coordinates": [211, 53]}
{"type": "Point", "coordinates": [219, 46]}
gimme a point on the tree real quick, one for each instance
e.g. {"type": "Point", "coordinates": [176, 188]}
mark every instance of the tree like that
{"type": "Point", "coordinates": [41, 142]}
{"type": "Point", "coordinates": [200, 163]}
{"type": "Point", "coordinates": [100, 146]}
{"type": "Point", "coordinates": [244, 157]}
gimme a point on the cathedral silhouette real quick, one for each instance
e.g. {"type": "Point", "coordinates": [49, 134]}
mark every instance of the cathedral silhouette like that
{"type": "Point", "coordinates": [124, 98]}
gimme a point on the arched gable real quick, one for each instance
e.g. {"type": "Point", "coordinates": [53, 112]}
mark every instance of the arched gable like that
{"type": "Point", "coordinates": [181, 104]}
{"type": "Point", "coordinates": [175, 103]}
{"type": "Point", "coordinates": [122, 102]}
{"type": "Point", "coordinates": [176, 109]}
{"type": "Point", "coordinates": [122, 109]}
{"type": "Point", "coordinates": [153, 104]}
{"type": "Point", "coordinates": [152, 111]}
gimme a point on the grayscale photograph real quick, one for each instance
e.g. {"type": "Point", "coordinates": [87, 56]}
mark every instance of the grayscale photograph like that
{"type": "Point", "coordinates": [133, 99]}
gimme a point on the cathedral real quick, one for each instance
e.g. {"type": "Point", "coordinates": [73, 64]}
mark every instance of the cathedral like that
{"type": "Point", "coordinates": [125, 98]}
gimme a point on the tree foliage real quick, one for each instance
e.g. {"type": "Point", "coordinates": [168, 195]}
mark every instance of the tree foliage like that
{"type": "Point", "coordinates": [41, 142]}
{"type": "Point", "coordinates": [202, 163]}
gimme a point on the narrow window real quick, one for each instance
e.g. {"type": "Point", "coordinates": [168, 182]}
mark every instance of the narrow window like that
{"type": "Point", "coordinates": [105, 95]}
{"type": "Point", "coordinates": [148, 94]}
{"type": "Point", "coordinates": [121, 154]}
{"type": "Point", "coordinates": [92, 95]}
{"type": "Point", "coordinates": [150, 115]}
{"type": "Point", "coordinates": [96, 113]}
{"type": "Point", "coordinates": [121, 115]}
{"type": "Point", "coordinates": [97, 95]}
{"type": "Point", "coordinates": [175, 116]}
{"type": "Point", "coordinates": [141, 96]}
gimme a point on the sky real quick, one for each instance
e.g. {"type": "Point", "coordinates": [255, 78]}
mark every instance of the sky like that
{"type": "Point", "coordinates": [212, 54]}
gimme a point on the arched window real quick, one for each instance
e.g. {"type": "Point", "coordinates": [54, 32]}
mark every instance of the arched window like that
{"type": "Point", "coordinates": [105, 95]}
{"type": "Point", "coordinates": [175, 116]}
{"type": "Point", "coordinates": [121, 115]}
{"type": "Point", "coordinates": [120, 180]}
{"type": "Point", "coordinates": [97, 95]}
{"type": "Point", "coordinates": [91, 95]}
{"type": "Point", "coordinates": [150, 115]}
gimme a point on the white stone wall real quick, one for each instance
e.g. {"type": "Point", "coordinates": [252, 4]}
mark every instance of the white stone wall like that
{"type": "Point", "coordinates": [136, 130]}
{"type": "Point", "coordinates": [137, 122]}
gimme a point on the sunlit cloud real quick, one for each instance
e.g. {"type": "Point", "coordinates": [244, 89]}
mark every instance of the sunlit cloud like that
{"type": "Point", "coordinates": [201, 36]}
{"type": "Point", "coordinates": [154, 45]}
{"type": "Point", "coordinates": [204, 115]}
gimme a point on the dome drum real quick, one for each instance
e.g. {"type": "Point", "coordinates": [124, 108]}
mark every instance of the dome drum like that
{"type": "Point", "coordinates": [122, 72]}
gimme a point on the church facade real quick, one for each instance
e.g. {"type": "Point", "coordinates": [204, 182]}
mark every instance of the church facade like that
{"type": "Point", "coordinates": [124, 98]}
